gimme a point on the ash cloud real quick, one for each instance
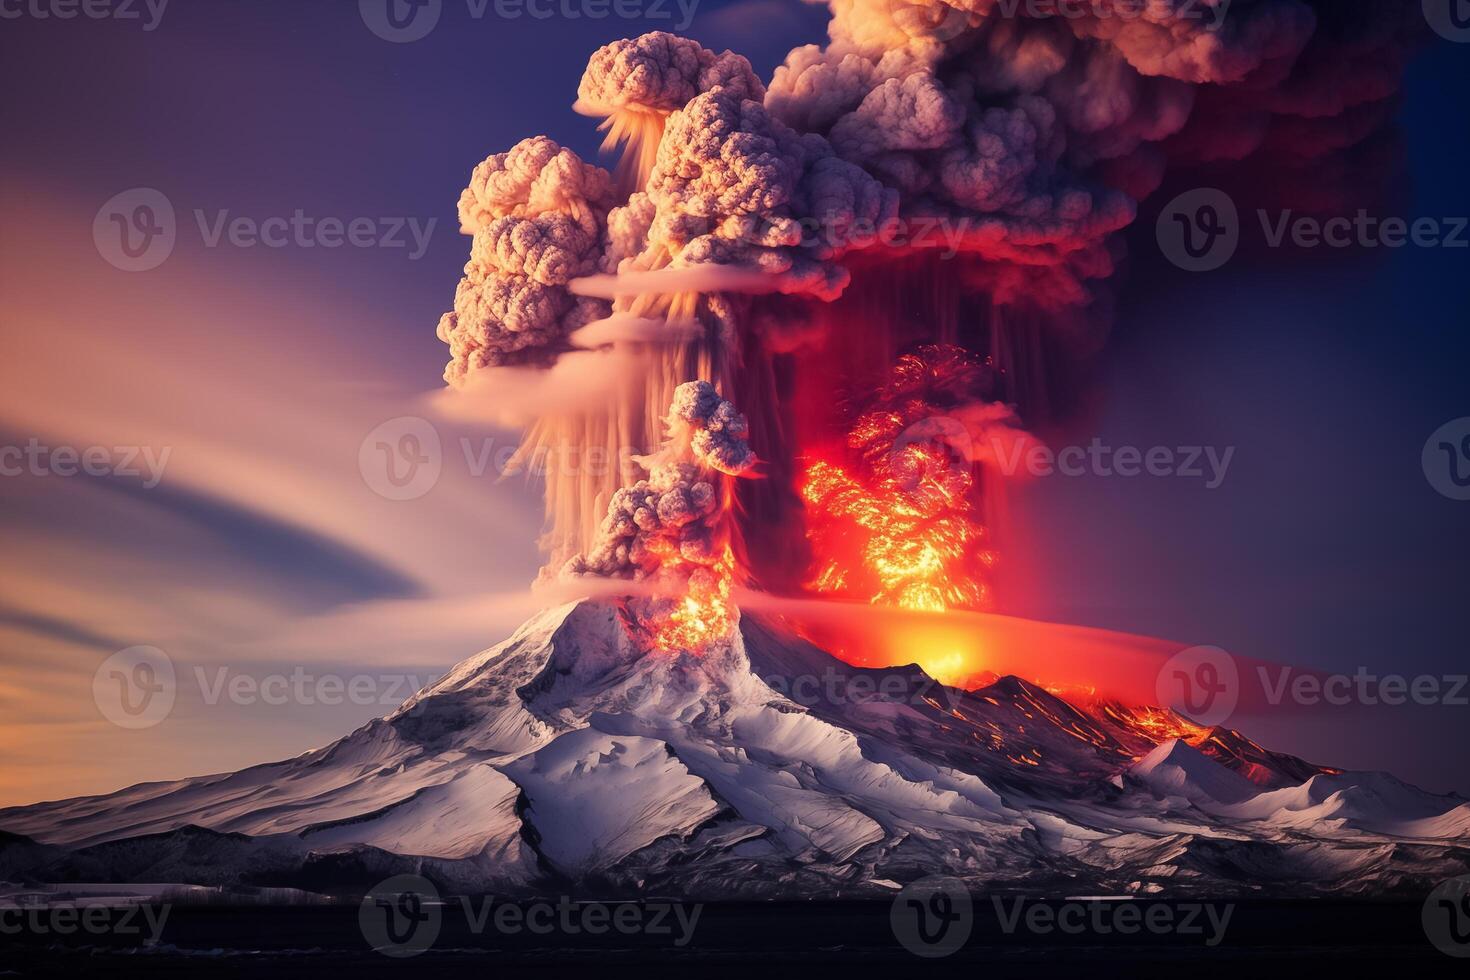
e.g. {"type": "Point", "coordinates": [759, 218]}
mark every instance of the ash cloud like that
{"type": "Point", "coordinates": [1045, 132]}
{"type": "Point", "coordinates": [670, 530]}
{"type": "Point", "coordinates": [659, 73]}
{"type": "Point", "coordinates": [634, 84]}
{"type": "Point", "coordinates": [1033, 131]}
{"type": "Point", "coordinates": [1036, 134]}
{"type": "Point", "coordinates": [537, 215]}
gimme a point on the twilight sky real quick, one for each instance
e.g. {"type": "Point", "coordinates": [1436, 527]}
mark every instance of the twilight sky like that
{"type": "Point", "coordinates": [260, 370]}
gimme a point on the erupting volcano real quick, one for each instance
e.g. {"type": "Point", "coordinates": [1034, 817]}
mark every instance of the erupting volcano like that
{"type": "Point", "coordinates": [808, 314]}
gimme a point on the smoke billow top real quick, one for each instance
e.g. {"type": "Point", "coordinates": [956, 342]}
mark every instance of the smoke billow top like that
{"type": "Point", "coordinates": [956, 175]}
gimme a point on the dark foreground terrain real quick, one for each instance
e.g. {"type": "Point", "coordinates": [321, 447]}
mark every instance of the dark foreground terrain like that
{"type": "Point", "coordinates": [1262, 939]}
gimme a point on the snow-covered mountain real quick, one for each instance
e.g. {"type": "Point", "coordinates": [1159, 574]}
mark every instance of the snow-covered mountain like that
{"type": "Point", "coordinates": [568, 757]}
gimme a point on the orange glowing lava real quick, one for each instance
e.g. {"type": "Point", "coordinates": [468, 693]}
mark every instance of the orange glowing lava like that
{"type": "Point", "coordinates": [916, 542]}
{"type": "Point", "coordinates": [704, 614]}
{"type": "Point", "coordinates": [899, 525]}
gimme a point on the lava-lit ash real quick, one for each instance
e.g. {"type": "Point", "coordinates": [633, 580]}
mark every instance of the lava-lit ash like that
{"type": "Point", "coordinates": [897, 519]}
{"type": "Point", "coordinates": [670, 532]}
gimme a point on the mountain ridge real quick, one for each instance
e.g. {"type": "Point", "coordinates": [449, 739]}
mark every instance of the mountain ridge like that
{"type": "Point", "coordinates": [570, 756]}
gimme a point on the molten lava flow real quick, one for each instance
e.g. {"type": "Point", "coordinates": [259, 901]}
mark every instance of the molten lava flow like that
{"type": "Point", "coordinates": [1156, 724]}
{"type": "Point", "coordinates": [899, 525]}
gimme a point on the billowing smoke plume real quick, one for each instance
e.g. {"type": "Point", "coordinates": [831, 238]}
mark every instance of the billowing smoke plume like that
{"type": "Point", "coordinates": [939, 172]}
{"type": "Point", "coordinates": [537, 214]}
{"type": "Point", "coordinates": [635, 84]}
{"type": "Point", "coordinates": [1039, 128]}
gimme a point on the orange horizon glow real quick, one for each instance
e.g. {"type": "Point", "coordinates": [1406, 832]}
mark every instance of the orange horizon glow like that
{"type": "Point", "coordinates": [967, 648]}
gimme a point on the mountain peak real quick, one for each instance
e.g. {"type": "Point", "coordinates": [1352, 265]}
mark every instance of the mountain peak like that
{"type": "Point", "coordinates": [765, 767]}
{"type": "Point", "coordinates": [1176, 768]}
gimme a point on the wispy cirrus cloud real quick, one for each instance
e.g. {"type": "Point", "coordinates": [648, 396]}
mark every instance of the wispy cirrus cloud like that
{"type": "Point", "coordinates": [261, 546]}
